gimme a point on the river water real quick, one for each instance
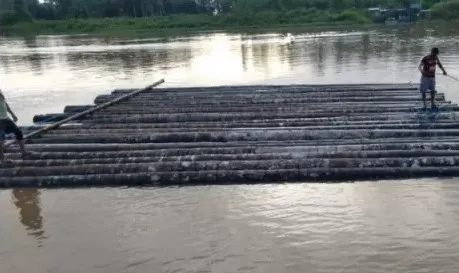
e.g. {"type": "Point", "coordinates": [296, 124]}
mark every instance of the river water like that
{"type": "Point", "coordinates": [392, 226]}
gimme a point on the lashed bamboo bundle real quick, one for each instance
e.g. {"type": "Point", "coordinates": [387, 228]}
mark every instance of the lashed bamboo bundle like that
{"type": "Point", "coordinates": [233, 134]}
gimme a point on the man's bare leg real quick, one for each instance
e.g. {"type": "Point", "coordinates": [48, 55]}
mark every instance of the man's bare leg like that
{"type": "Point", "coordinates": [432, 99]}
{"type": "Point", "coordinates": [424, 100]}
{"type": "Point", "coordinates": [22, 147]}
{"type": "Point", "coordinates": [2, 155]}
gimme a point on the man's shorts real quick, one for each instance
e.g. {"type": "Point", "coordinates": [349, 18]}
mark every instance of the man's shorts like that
{"type": "Point", "coordinates": [427, 84]}
{"type": "Point", "coordinates": [7, 126]}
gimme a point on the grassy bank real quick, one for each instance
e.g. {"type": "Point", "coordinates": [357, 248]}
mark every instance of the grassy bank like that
{"type": "Point", "coordinates": [178, 23]}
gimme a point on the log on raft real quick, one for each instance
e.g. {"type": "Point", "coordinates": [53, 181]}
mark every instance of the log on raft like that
{"type": "Point", "coordinates": [184, 100]}
{"type": "Point", "coordinates": [193, 148]}
{"type": "Point", "coordinates": [231, 117]}
{"type": "Point", "coordinates": [234, 165]}
{"type": "Point", "coordinates": [49, 118]}
{"type": "Point", "coordinates": [71, 109]}
{"type": "Point", "coordinates": [134, 157]}
{"type": "Point", "coordinates": [119, 128]}
{"type": "Point", "coordinates": [420, 121]}
{"type": "Point", "coordinates": [129, 131]}
{"type": "Point", "coordinates": [271, 93]}
{"type": "Point", "coordinates": [413, 107]}
{"type": "Point", "coordinates": [227, 177]}
{"type": "Point", "coordinates": [280, 88]}
{"type": "Point", "coordinates": [298, 112]}
{"type": "Point", "coordinates": [68, 111]}
{"type": "Point", "coordinates": [253, 135]}
{"type": "Point", "coordinates": [260, 103]}
{"type": "Point", "coordinates": [261, 94]}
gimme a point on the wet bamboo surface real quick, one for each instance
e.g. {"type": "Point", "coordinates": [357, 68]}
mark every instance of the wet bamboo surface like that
{"type": "Point", "coordinates": [241, 134]}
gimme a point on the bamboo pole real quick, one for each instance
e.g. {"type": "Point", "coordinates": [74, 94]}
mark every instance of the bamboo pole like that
{"type": "Point", "coordinates": [89, 111]}
{"type": "Point", "coordinates": [183, 148]}
{"type": "Point", "coordinates": [131, 110]}
{"type": "Point", "coordinates": [234, 165]}
{"type": "Point", "coordinates": [310, 111]}
{"type": "Point", "coordinates": [257, 134]}
{"type": "Point", "coordinates": [231, 117]}
{"type": "Point", "coordinates": [79, 108]}
{"type": "Point", "coordinates": [49, 118]}
{"type": "Point", "coordinates": [276, 92]}
{"type": "Point", "coordinates": [251, 146]}
{"type": "Point", "coordinates": [188, 102]}
{"type": "Point", "coordinates": [416, 122]}
{"type": "Point", "coordinates": [226, 177]}
{"type": "Point", "coordinates": [283, 88]}
{"type": "Point", "coordinates": [128, 131]}
{"type": "Point", "coordinates": [134, 157]}
{"type": "Point", "coordinates": [265, 99]}
{"type": "Point", "coordinates": [415, 107]}
{"type": "Point", "coordinates": [254, 135]}
{"type": "Point", "coordinates": [249, 93]}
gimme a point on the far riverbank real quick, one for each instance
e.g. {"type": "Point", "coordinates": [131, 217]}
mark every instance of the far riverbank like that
{"type": "Point", "coordinates": [179, 24]}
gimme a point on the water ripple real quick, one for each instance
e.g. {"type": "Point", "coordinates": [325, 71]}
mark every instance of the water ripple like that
{"type": "Point", "coordinates": [394, 226]}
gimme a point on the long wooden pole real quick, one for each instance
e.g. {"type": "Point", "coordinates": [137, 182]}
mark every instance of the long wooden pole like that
{"type": "Point", "coordinates": [89, 111]}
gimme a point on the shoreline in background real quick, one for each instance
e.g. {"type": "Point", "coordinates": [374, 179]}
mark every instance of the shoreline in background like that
{"type": "Point", "coordinates": [31, 29]}
{"type": "Point", "coordinates": [159, 19]}
{"type": "Point", "coordinates": [165, 25]}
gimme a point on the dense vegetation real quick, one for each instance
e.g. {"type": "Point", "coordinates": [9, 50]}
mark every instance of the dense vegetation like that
{"type": "Point", "coordinates": [64, 16]}
{"type": "Point", "coordinates": [121, 25]}
{"type": "Point", "coordinates": [447, 10]}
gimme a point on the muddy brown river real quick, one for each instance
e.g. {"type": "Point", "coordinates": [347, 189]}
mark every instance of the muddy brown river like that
{"type": "Point", "coordinates": [365, 227]}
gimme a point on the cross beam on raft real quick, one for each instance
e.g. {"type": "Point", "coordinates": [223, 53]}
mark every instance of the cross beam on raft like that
{"type": "Point", "coordinates": [240, 134]}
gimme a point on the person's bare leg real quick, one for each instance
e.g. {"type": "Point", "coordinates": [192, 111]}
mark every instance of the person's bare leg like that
{"type": "Point", "coordinates": [20, 140]}
{"type": "Point", "coordinates": [424, 100]}
{"type": "Point", "coordinates": [432, 99]}
{"type": "Point", "coordinates": [22, 147]}
{"type": "Point", "coordinates": [2, 155]}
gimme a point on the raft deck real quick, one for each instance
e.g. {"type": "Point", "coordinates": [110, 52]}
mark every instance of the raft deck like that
{"type": "Point", "coordinates": [241, 134]}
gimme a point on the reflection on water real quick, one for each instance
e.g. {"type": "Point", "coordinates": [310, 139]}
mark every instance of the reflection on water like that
{"type": "Point", "coordinates": [398, 226]}
{"type": "Point", "coordinates": [28, 203]}
{"type": "Point", "coordinates": [43, 74]}
{"type": "Point", "coordinates": [350, 228]}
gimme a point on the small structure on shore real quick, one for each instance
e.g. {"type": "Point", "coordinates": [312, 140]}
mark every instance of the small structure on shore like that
{"type": "Point", "coordinates": [391, 17]}
{"type": "Point", "coordinates": [241, 134]}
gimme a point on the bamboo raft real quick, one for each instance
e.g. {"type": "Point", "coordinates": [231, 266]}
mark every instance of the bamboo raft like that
{"type": "Point", "coordinates": [240, 134]}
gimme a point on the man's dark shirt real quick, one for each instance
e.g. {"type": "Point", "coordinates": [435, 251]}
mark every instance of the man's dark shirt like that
{"type": "Point", "coordinates": [429, 63]}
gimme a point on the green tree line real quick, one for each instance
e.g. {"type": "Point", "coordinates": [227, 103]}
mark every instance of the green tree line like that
{"type": "Point", "coordinates": [65, 9]}
{"type": "Point", "coordinates": [200, 12]}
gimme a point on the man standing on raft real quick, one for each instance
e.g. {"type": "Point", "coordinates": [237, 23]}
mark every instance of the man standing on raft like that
{"type": "Point", "coordinates": [8, 126]}
{"type": "Point", "coordinates": [427, 69]}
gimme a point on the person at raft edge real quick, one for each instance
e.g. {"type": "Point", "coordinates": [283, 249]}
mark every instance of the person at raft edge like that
{"type": "Point", "coordinates": [427, 69]}
{"type": "Point", "coordinates": [8, 126]}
